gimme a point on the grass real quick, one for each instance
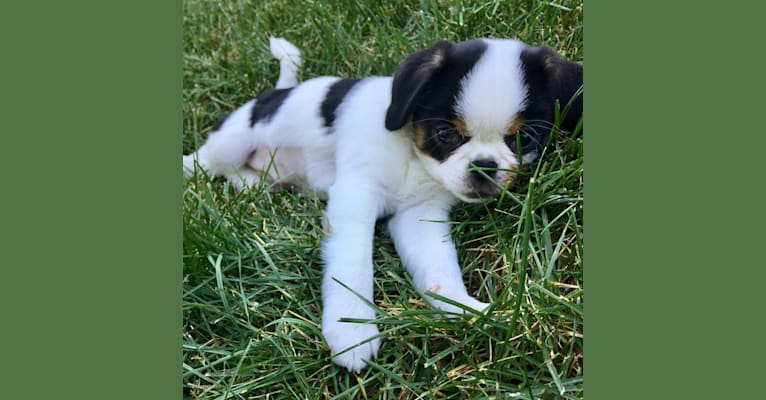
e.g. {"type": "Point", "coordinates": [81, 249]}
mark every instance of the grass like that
{"type": "Point", "coordinates": [251, 259]}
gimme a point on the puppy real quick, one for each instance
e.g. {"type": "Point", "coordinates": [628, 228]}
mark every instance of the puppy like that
{"type": "Point", "coordinates": [454, 123]}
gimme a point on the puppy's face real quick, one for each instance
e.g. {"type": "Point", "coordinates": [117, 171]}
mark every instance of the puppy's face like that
{"type": "Point", "coordinates": [478, 109]}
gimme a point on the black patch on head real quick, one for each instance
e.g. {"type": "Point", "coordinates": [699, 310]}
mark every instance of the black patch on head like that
{"type": "Point", "coordinates": [548, 78]}
{"type": "Point", "coordinates": [267, 104]}
{"type": "Point", "coordinates": [334, 98]}
{"type": "Point", "coordinates": [410, 78]}
{"type": "Point", "coordinates": [432, 108]}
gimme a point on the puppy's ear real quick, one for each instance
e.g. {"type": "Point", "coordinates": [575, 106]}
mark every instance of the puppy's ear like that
{"type": "Point", "coordinates": [563, 79]}
{"type": "Point", "coordinates": [410, 78]}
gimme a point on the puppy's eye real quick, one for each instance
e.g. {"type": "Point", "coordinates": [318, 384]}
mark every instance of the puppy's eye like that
{"type": "Point", "coordinates": [522, 140]}
{"type": "Point", "coordinates": [448, 135]}
{"type": "Point", "coordinates": [525, 139]}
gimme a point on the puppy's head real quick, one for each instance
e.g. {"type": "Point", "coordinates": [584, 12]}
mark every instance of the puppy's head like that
{"type": "Point", "coordinates": [479, 108]}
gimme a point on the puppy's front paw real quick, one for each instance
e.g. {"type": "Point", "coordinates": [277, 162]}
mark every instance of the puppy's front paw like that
{"type": "Point", "coordinates": [341, 336]}
{"type": "Point", "coordinates": [466, 300]}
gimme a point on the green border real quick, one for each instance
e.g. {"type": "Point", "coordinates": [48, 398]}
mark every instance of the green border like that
{"type": "Point", "coordinates": [92, 196]}
{"type": "Point", "coordinates": [672, 212]}
{"type": "Point", "coordinates": [91, 111]}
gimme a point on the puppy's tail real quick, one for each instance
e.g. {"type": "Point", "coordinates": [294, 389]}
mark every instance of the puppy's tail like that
{"type": "Point", "coordinates": [289, 61]}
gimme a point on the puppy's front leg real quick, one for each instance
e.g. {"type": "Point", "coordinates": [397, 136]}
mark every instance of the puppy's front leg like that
{"type": "Point", "coordinates": [348, 272]}
{"type": "Point", "coordinates": [427, 251]}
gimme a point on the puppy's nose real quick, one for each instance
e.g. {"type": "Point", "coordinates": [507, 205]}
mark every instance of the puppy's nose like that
{"type": "Point", "coordinates": [489, 167]}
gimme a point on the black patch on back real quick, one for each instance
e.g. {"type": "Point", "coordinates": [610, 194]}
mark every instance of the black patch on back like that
{"type": "Point", "coordinates": [334, 98]}
{"type": "Point", "coordinates": [267, 104]}
{"type": "Point", "coordinates": [435, 105]}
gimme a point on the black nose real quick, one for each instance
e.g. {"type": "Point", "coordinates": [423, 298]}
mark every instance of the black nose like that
{"type": "Point", "coordinates": [482, 178]}
{"type": "Point", "coordinates": [485, 164]}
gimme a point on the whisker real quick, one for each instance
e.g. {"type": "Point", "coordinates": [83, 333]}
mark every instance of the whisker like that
{"type": "Point", "coordinates": [550, 127]}
{"type": "Point", "coordinates": [539, 123]}
{"type": "Point", "coordinates": [531, 134]}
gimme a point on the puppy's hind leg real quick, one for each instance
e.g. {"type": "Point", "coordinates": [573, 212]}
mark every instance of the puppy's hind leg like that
{"type": "Point", "coordinates": [227, 149]}
{"type": "Point", "coordinates": [233, 142]}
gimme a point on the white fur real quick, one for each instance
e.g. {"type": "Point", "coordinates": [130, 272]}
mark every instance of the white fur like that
{"type": "Point", "coordinates": [289, 61]}
{"type": "Point", "coordinates": [491, 96]}
{"type": "Point", "coordinates": [367, 172]}
{"type": "Point", "coordinates": [454, 172]}
{"type": "Point", "coordinates": [494, 91]}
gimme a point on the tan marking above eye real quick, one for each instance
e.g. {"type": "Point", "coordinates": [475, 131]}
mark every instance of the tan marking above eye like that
{"type": "Point", "coordinates": [420, 137]}
{"type": "Point", "coordinates": [461, 127]}
{"type": "Point", "coordinates": [511, 129]}
{"type": "Point", "coordinates": [514, 126]}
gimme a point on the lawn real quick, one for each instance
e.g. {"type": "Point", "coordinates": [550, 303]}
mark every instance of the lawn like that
{"type": "Point", "coordinates": [251, 277]}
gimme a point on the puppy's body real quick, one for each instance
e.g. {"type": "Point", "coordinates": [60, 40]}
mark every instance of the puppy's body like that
{"type": "Point", "coordinates": [407, 147]}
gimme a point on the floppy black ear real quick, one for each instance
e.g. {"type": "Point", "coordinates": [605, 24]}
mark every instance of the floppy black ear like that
{"type": "Point", "coordinates": [563, 79]}
{"type": "Point", "coordinates": [410, 78]}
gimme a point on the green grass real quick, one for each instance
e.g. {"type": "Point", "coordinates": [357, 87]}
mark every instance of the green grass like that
{"type": "Point", "coordinates": [252, 270]}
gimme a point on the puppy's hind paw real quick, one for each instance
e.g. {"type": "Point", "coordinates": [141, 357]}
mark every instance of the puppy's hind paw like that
{"type": "Point", "coordinates": [352, 343]}
{"type": "Point", "coordinates": [188, 166]}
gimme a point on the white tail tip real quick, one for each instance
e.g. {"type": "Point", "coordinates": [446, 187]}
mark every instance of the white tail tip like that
{"type": "Point", "coordinates": [289, 61]}
{"type": "Point", "coordinates": [281, 49]}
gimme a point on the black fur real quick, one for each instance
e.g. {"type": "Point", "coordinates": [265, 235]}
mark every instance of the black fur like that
{"type": "Point", "coordinates": [410, 78]}
{"type": "Point", "coordinates": [334, 98]}
{"type": "Point", "coordinates": [550, 78]}
{"type": "Point", "coordinates": [267, 104]}
{"type": "Point", "coordinates": [424, 92]}
{"type": "Point", "coordinates": [427, 82]}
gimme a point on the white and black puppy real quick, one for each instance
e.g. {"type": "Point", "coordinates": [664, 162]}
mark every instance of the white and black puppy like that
{"type": "Point", "coordinates": [453, 123]}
